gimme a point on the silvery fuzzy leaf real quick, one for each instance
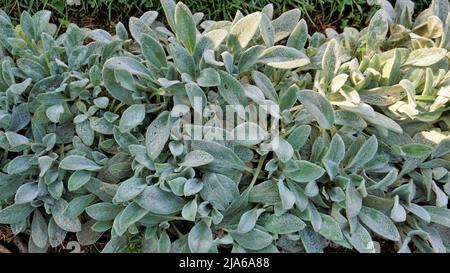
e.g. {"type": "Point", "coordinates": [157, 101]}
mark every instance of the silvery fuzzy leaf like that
{"type": "Point", "coordinates": [209, 41]}
{"type": "Point", "coordinates": [153, 51]}
{"type": "Point", "coordinates": [249, 57]}
{"type": "Point", "coordinates": [182, 59]}
{"type": "Point", "coordinates": [283, 224]}
{"type": "Point", "coordinates": [353, 202]}
{"type": "Point", "coordinates": [130, 215]}
{"type": "Point", "coordinates": [304, 171]}
{"type": "Point", "coordinates": [330, 228]}
{"type": "Point", "coordinates": [169, 10]}
{"type": "Point", "coordinates": [200, 238]}
{"type": "Point", "coordinates": [283, 57]}
{"type": "Point", "coordinates": [265, 84]}
{"type": "Point", "coordinates": [288, 98]}
{"type": "Point", "coordinates": [55, 189]}
{"type": "Point", "coordinates": [185, 26]}
{"type": "Point", "coordinates": [77, 57]}
{"type": "Point", "coordinates": [330, 61]}
{"type": "Point", "coordinates": [100, 35]}
{"type": "Point", "coordinates": [383, 96]}
{"type": "Point", "coordinates": [266, 30]}
{"type": "Point", "coordinates": [442, 148]}
{"type": "Point", "coordinates": [124, 63]}
{"type": "Point", "coordinates": [19, 164]}
{"type": "Point", "coordinates": [299, 36]}
{"type": "Point", "coordinates": [268, 10]}
{"type": "Point", "coordinates": [71, 224]}
{"type": "Point", "coordinates": [364, 154]}
{"type": "Point", "coordinates": [384, 183]}
{"type": "Point", "coordinates": [318, 106]}
{"type": "Point", "coordinates": [197, 158]}
{"type": "Point", "coordinates": [20, 117]}
{"type": "Point", "coordinates": [16, 141]}
{"type": "Point", "coordinates": [192, 186]}
{"type": "Point", "coordinates": [180, 245]}
{"type": "Point", "coordinates": [177, 185]}
{"type": "Point", "coordinates": [164, 243]}
{"type": "Point", "coordinates": [132, 117]}
{"type": "Point", "coordinates": [15, 213]}
{"type": "Point", "coordinates": [158, 201]}
{"type": "Point", "coordinates": [138, 28]}
{"type": "Point", "coordinates": [39, 230]}
{"type": "Point", "coordinates": [196, 97]}
{"type": "Point", "coordinates": [439, 215]}
{"type": "Point", "coordinates": [78, 162]}
{"type": "Point", "coordinates": [157, 134]}
{"type": "Point", "coordinates": [377, 30]}
{"type": "Point", "coordinates": [338, 82]}
{"type": "Point", "coordinates": [299, 136]}
{"type": "Point", "coordinates": [383, 121]}
{"type": "Point", "coordinates": [247, 221]}
{"type": "Point", "coordinates": [208, 77]}
{"type": "Point", "coordinates": [223, 156]}
{"type": "Point", "coordinates": [336, 150]}
{"type": "Point", "coordinates": [418, 211]}
{"type": "Point", "coordinates": [77, 205]}
{"type": "Point", "coordinates": [311, 189]}
{"type": "Point", "coordinates": [121, 31]}
{"type": "Point", "coordinates": [244, 29]}
{"type": "Point", "coordinates": [361, 240]}
{"type": "Point", "coordinates": [103, 211]}
{"type": "Point", "coordinates": [441, 197]}
{"type": "Point", "coordinates": [249, 133]}
{"type": "Point", "coordinates": [54, 112]}
{"type": "Point", "coordinates": [88, 235]}
{"type": "Point", "coordinates": [189, 210]}
{"type": "Point", "coordinates": [19, 88]}
{"type": "Point", "coordinates": [425, 56]}
{"type": "Point", "coordinates": [219, 190]}
{"type": "Point", "coordinates": [232, 90]}
{"type": "Point", "coordinates": [129, 189]}
{"type": "Point", "coordinates": [286, 196]}
{"type": "Point", "coordinates": [26, 193]}
{"type": "Point", "coordinates": [398, 213]}
{"type": "Point", "coordinates": [416, 150]}
{"type": "Point", "coordinates": [282, 149]}
{"type": "Point", "coordinates": [78, 179]}
{"type": "Point", "coordinates": [115, 245]}
{"type": "Point", "coordinates": [311, 240]}
{"type": "Point", "coordinates": [285, 24]}
{"type": "Point", "coordinates": [265, 192]}
{"type": "Point", "coordinates": [254, 240]}
{"type": "Point", "coordinates": [379, 223]}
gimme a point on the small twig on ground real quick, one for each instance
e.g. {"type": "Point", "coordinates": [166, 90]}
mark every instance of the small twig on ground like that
{"type": "Point", "coordinates": [4, 249]}
{"type": "Point", "coordinates": [20, 245]}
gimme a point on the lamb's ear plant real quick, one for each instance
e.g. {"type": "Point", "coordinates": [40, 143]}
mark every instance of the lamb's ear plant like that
{"type": "Point", "coordinates": [94, 139]}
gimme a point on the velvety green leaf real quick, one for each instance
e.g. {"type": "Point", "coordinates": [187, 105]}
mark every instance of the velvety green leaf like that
{"type": "Point", "coordinates": [158, 201]}
{"type": "Point", "coordinates": [318, 106]}
{"type": "Point", "coordinates": [283, 57]}
{"type": "Point", "coordinates": [78, 162]}
{"type": "Point", "coordinates": [200, 238]}
{"type": "Point", "coordinates": [283, 224]}
{"type": "Point", "coordinates": [244, 29]}
{"type": "Point", "coordinates": [132, 117]}
{"type": "Point", "coordinates": [157, 135]}
{"type": "Point", "coordinates": [379, 223]}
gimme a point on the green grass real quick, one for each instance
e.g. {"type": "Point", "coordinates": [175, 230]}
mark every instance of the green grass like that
{"type": "Point", "coordinates": [105, 13]}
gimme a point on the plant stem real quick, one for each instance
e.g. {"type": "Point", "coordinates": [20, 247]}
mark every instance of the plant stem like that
{"type": "Point", "coordinates": [258, 170]}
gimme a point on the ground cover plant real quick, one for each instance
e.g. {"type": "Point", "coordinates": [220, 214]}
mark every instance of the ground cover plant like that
{"type": "Point", "coordinates": [105, 13]}
{"type": "Point", "coordinates": [96, 143]}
